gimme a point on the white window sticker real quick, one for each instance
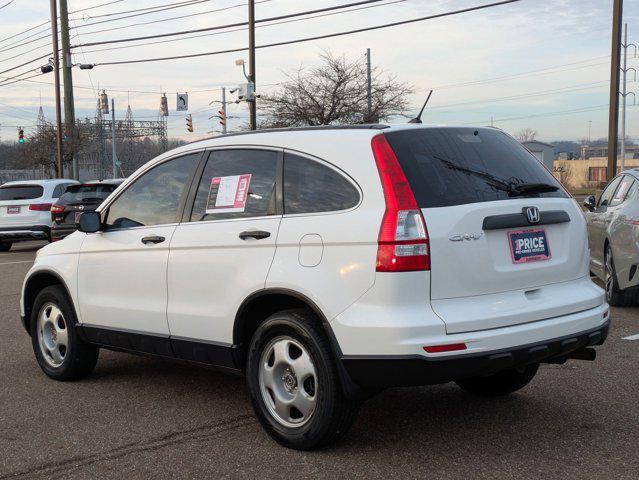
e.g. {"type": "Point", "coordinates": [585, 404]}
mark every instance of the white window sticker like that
{"type": "Point", "coordinates": [228, 194]}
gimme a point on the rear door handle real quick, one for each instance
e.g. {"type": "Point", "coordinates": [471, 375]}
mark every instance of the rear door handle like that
{"type": "Point", "coordinates": [152, 239]}
{"type": "Point", "coordinates": [256, 234]}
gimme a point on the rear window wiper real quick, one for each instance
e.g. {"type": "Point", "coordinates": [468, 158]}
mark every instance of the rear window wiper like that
{"type": "Point", "coordinates": [525, 188]}
{"type": "Point", "coordinates": [492, 180]}
{"type": "Point", "coordinates": [512, 187]}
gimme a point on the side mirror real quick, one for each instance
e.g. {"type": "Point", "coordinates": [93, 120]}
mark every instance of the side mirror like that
{"type": "Point", "coordinates": [89, 222]}
{"type": "Point", "coordinates": [590, 203]}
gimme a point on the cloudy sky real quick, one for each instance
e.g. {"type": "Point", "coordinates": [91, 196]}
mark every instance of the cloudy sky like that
{"type": "Point", "coordinates": [540, 64]}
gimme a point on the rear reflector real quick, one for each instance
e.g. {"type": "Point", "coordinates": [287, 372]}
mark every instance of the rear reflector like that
{"type": "Point", "coordinates": [453, 347]}
{"type": "Point", "coordinates": [40, 207]}
{"type": "Point", "coordinates": [403, 239]}
{"type": "Point", "coordinates": [57, 208]}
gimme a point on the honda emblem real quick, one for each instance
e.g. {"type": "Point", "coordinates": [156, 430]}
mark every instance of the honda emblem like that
{"type": "Point", "coordinates": [532, 214]}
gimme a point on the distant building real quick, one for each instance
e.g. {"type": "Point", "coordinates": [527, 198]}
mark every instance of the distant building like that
{"type": "Point", "coordinates": [590, 174]}
{"type": "Point", "coordinates": [544, 152]}
{"type": "Point", "coordinates": [596, 151]}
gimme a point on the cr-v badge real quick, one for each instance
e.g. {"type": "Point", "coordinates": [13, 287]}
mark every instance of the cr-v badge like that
{"type": "Point", "coordinates": [460, 237]}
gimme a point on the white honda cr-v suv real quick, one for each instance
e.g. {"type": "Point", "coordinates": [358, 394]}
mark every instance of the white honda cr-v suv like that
{"type": "Point", "coordinates": [325, 264]}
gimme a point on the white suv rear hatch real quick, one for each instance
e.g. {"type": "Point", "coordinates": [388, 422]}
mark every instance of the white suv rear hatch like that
{"type": "Point", "coordinates": [15, 200]}
{"type": "Point", "coordinates": [490, 267]}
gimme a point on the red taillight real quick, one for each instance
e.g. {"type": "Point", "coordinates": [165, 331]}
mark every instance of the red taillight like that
{"type": "Point", "coordinates": [40, 207]}
{"type": "Point", "coordinates": [453, 347]}
{"type": "Point", "coordinates": [57, 208]}
{"type": "Point", "coordinates": [403, 239]}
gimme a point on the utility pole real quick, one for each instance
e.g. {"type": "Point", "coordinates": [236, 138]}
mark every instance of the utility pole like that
{"type": "Point", "coordinates": [369, 88]}
{"type": "Point", "coordinates": [615, 70]}
{"type": "Point", "coordinates": [56, 74]}
{"type": "Point", "coordinates": [624, 93]}
{"type": "Point", "coordinates": [67, 77]}
{"type": "Point", "coordinates": [589, 130]}
{"type": "Point", "coordinates": [224, 110]}
{"type": "Point", "coordinates": [114, 157]}
{"type": "Point", "coordinates": [251, 74]}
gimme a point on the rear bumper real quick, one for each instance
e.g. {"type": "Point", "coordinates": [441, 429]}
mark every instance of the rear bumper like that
{"type": "Point", "coordinates": [24, 233]}
{"type": "Point", "coordinates": [389, 371]}
{"type": "Point", "coordinates": [58, 233]}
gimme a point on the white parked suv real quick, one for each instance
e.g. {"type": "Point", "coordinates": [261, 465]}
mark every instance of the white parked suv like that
{"type": "Point", "coordinates": [326, 264]}
{"type": "Point", "coordinates": [25, 209]}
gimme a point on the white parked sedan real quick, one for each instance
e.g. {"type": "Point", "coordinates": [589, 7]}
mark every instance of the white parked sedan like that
{"type": "Point", "coordinates": [613, 235]}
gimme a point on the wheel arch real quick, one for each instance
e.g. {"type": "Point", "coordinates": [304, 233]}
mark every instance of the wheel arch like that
{"type": "Point", "coordinates": [258, 306]}
{"type": "Point", "coordinates": [33, 285]}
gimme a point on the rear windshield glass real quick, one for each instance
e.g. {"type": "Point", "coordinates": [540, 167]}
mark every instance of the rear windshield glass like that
{"type": "Point", "coordinates": [21, 192]}
{"type": "Point", "coordinates": [86, 194]}
{"type": "Point", "coordinates": [454, 166]}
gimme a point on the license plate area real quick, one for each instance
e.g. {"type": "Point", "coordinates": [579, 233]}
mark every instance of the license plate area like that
{"type": "Point", "coordinates": [13, 210]}
{"type": "Point", "coordinates": [529, 246]}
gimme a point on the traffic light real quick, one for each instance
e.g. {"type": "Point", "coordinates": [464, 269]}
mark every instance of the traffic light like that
{"type": "Point", "coordinates": [20, 135]}
{"type": "Point", "coordinates": [104, 103]}
{"type": "Point", "coordinates": [222, 117]}
{"type": "Point", "coordinates": [189, 123]}
{"type": "Point", "coordinates": [164, 107]}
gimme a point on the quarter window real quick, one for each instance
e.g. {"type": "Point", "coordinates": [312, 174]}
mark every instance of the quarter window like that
{"type": "Point", "coordinates": [622, 192]}
{"type": "Point", "coordinates": [236, 184]}
{"type": "Point", "coordinates": [310, 187]}
{"type": "Point", "coordinates": [154, 198]}
{"type": "Point", "coordinates": [606, 196]}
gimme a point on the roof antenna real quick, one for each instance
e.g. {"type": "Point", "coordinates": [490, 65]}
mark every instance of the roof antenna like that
{"type": "Point", "coordinates": [418, 118]}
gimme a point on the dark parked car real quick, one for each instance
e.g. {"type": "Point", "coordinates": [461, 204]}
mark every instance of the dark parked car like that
{"type": "Point", "coordinates": [77, 199]}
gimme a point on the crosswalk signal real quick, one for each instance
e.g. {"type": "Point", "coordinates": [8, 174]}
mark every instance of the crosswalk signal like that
{"type": "Point", "coordinates": [189, 123]}
{"type": "Point", "coordinates": [222, 117]}
{"type": "Point", "coordinates": [20, 135]}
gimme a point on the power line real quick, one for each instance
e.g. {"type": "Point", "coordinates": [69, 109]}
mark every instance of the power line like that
{"type": "Point", "coordinates": [572, 88]}
{"type": "Point", "coordinates": [7, 4]}
{"type": "Point", "coordinates": [156, 9]}
{"type": "Point", "coordinates": [317, 37]}
{"type": "Point", "coordinates": [244, 28]}
{"type": "Point", "coordinates": [47, 22]}
{"type": "Point", "coordinates": [221, 27]}
{"type": "Point", "coordinates": [546, 114]}
{"type": "Point", "coordinates": [140, 9]}
{"type": "Point", "coordinates": [27, 63]}
{"type": "Point", "coordinates": [230, 7]}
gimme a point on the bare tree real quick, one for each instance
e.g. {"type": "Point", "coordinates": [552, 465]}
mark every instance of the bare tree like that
{"type": "Point", "coordinates": [334, 92]}
{"type": "Point", "coordinates": [39, 149]}
{"type": "Point", "coordinates": [526, 135]}
{"type": "Point", "coordinates": [564, 173]}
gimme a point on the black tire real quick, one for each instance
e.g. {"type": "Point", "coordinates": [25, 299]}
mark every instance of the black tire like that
{"type": "Point", "coordinates": [501, 383]}
{"type": "Point", "coordinates": [78, 358]}
{"type": "Point", "coordinates": [5, 246]}
{"type": "Point", "coordinates": [614, 295]}
{"type": "Point", "coordinates": [333, 413]}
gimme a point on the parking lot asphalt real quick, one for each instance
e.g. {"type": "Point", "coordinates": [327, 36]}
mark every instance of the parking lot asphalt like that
{"type": "Point", "coordinates": [139, 417]}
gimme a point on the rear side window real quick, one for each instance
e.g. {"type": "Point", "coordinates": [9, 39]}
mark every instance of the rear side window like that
{"type": "Point", "coordinates": [622, 192]}
{"type": "Point", "coordinates": [21, 192]}
{"type": "Point", "coordinates": [310, 187]}
{"type": "Point", "coordinates": [86, 194]}
{"type": "Point", "coordinates": [236, 184]}
{"type": "Point", "coordinates": [60, 189]}
{"type": "Point", "coordinates": [606, 196]}
{"type": "Point", "coordinates": [456, 166]}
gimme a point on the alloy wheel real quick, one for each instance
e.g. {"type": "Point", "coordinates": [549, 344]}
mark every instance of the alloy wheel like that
{"type": "Point", "coordinates": [609, 274]}
{"type": "Point", "coordinates": [53, 336]}
{"type": "Point", "coordinates": [288, 381]}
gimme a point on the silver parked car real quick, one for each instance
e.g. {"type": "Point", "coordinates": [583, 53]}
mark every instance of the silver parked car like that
{"type": "Point", "coordinates": [613, 235]}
